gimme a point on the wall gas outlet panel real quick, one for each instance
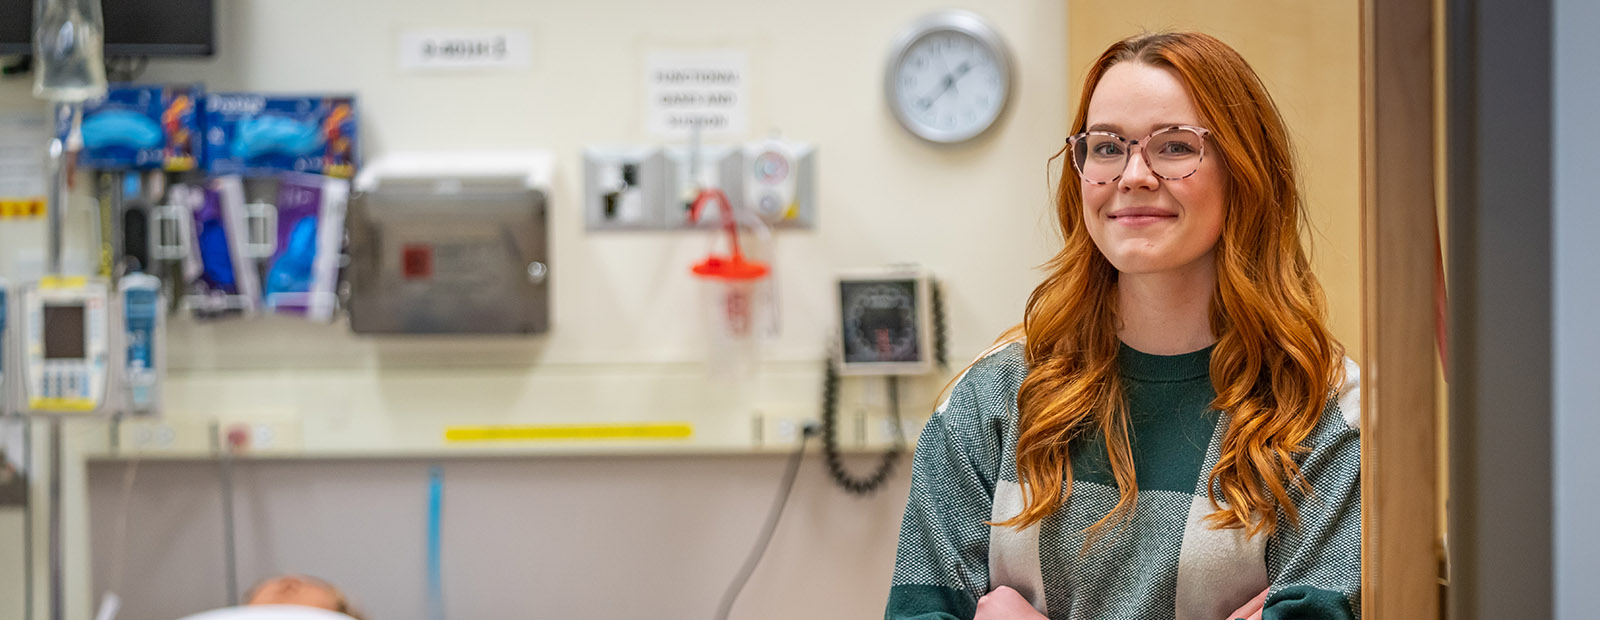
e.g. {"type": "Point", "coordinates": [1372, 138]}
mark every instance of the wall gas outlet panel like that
{"type": "Point", "coordinates": [720, 167]}
{"type": "Point", "coordinates": [779, 183]}
{"type": "Point", "coordinates": [624, 188]}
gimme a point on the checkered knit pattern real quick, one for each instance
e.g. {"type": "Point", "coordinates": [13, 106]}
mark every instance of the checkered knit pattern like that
{"type": "Point", "coordinates": [1165, 562]}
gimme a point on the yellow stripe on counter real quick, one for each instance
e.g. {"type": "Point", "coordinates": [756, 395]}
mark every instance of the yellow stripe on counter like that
{"type": "Point", "coordinates": [62, 405]}
{"type": "Point", "coordinates": [561, 432]}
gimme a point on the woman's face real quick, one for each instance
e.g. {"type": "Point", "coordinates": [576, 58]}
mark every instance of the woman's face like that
{"type": "Point", "coordinates": [1142, 223]}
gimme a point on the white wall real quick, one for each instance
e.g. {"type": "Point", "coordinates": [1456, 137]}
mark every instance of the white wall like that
{"type": "Point", "coordinates": [1576, 223]}
{"type": "Point", "coordinates": [623, 345]}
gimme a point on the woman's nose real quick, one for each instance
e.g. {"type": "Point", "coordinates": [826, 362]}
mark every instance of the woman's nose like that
{"type": "Point", "coordinates": [1136, 174]}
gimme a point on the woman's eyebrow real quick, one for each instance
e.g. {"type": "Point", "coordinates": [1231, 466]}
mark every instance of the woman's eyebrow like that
{"type": "Point", "coordinates": [1113, 128]}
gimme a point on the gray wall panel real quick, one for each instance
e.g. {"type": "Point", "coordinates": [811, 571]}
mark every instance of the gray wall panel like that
{"type": "Point", "coordinates": [1577, 299]}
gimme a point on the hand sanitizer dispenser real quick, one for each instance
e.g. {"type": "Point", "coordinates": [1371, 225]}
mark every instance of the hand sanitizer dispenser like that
{"type": "Point", "coordinates": [140, 297]}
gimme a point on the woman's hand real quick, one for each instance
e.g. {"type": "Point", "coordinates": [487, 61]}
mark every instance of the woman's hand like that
{"type": "Point", "coordinates": [1005, 603]}
{"type": "Point", "coordinates": [1250, 611]}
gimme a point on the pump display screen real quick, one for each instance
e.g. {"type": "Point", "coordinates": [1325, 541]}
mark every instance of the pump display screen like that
{"type": "Point", "coordinates": [63, 332]}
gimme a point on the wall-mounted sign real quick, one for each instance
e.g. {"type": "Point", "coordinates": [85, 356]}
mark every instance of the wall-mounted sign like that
{"type": "Point", "coordinates": [465, 48]}
{"type": "Point", "coordinates": [710, 89]}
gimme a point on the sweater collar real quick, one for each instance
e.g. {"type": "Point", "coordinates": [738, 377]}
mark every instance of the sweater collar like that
{"type": "Point", "coordinates": [1143, 366]}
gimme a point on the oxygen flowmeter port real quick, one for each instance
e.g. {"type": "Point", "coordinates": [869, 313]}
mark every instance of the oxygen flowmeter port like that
{"type": "Point", "coordinates": [624, 188]}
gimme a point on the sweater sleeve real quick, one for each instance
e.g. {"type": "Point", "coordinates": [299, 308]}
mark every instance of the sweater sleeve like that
{"type": "Point", "coordinates": [1315, 569]}
{"type": "Point", "coordinates": [941, 567]}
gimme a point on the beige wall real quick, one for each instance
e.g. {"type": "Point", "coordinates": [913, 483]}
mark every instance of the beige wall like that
{"type": "Point", "coordinates": [1309, 56]}
{"type": "Point", "coordinates": [625, 308]}
{"type": "Point", "coordinates": [626, 342]}
{"type": "Point", "coordinates": [978, 216]}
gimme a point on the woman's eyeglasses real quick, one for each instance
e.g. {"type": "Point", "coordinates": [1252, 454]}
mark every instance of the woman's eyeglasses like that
{"type": "Point", "coordinates": [1172, 153]}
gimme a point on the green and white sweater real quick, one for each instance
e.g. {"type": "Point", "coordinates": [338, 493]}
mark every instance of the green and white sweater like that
{"type": "Point", "coordinates": [1164, 563]}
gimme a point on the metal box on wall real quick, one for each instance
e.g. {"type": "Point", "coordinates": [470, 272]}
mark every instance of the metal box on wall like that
{"type": "Point", "coordinates": [451, 243]}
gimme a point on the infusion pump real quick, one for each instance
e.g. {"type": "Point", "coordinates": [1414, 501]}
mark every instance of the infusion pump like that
{"type": "Point", "coordinates": [65, 345]}
{"type": "Point", "coordinates": [78, 348]}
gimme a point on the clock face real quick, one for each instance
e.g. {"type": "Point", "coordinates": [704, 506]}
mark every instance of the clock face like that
{"type": "Point", "coordinates": [950, 81]}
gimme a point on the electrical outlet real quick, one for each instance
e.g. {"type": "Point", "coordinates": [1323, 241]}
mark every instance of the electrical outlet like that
{"type": "Point", "coordinates": [259, 433]}
{"type": "Point", "coordinates": [783, 430]}
{"type": "Point", "coordinates": [880, 430]}
{"type": "Point", "coordinates": [151, 436]}
{"type": "Point", "coordinates": [165, 434]}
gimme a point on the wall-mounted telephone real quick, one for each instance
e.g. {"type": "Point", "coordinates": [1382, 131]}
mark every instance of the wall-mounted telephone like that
{"type": "Point", "coordinates": [892, 325]}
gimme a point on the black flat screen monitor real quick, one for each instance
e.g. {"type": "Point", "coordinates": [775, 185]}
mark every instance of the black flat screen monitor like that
{"type": "Point", "coordinates": [133, 27]}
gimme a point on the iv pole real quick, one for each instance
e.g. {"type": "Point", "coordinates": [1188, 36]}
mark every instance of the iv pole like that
{"type": "Point", "coordinates": [57, 203]}
{"type": "Point", "coordinates": [69, 70]}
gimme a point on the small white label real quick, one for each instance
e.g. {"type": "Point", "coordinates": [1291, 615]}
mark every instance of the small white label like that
{"type": "Point", "coordinates": [710, 89]}
{"type": "Point", "coordinates": [465, 48]}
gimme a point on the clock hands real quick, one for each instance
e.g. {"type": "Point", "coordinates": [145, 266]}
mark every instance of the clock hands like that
{"type": "Point", "coordinates": [946, 84]}
{"type": "Point", "coordinates": [953, 52]}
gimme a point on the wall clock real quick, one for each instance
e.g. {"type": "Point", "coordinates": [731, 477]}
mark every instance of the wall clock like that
{"type": "Point", "coordinates": [949, 77]}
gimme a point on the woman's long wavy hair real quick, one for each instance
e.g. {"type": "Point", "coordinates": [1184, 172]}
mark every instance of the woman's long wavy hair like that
{"type": "Point", "coordinates": [1275, 361]}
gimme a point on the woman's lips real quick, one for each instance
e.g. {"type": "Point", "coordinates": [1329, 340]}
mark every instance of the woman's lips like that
{"type": "Point", "coordinates": [1142, 216]}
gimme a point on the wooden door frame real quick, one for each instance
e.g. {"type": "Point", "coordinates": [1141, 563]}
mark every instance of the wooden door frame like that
{"type": "Point", "coordinates": [1399, 263]}
{"type": "Point", "coordinates": [1498, 101]}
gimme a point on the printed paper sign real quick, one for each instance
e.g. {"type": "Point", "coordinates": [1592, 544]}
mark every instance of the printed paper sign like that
{"type": "Point", "coordinates": [23, 175]}
{"type": "Point", "coordinates": [709, 89]}
{"type": "Point", "coordinates": [465, 48]}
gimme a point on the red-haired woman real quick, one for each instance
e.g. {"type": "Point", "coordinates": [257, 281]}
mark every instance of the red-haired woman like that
{"type": "Point", "coordinates": [1165, 435]}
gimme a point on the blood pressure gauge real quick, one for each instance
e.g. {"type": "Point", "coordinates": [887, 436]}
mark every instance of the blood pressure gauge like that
{"type": "Point", "coordinates": [885, 320]}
